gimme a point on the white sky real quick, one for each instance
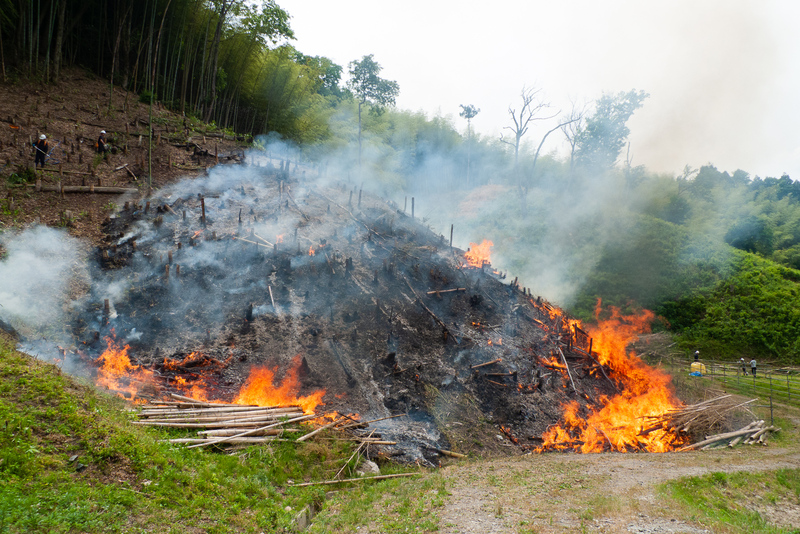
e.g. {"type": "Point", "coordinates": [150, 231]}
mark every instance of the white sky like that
{"type": "Point", "coordinates": [722, 75]}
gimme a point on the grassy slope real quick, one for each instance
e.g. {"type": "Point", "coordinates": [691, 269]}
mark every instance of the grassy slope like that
{"type": "Point", "coordinates": [124, 480]}
{"type": "Point", "coordinates": [740, 502]}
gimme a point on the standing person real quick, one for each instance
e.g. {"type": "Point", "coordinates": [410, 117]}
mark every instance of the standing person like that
{"type": "Point", "coordinates": [41, 147]}
{"type": "Point", "coordinates": [697, 355]}
{"type": "Point", "coordinates": [102, 144]}
{"type": "Point", "coordinates": [744, 366]}
{"type": "Point", "coordinates": [753, 366]}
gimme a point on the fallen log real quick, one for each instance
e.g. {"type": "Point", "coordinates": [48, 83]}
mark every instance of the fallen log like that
{"type": "Point", "coordinates": [749, 429]}
{"type": "Point", "coordinates": [757, 437]}
{"type": "Point", "coordinates": [440, 291]}
{"type": "Point", "coordinates": [90, 189]}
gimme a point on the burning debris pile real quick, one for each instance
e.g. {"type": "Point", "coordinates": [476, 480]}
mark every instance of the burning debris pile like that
{"type": "Point", "coordinates": [218, 286]}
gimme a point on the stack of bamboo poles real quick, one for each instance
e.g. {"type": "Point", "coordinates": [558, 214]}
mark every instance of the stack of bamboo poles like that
{"type": "Point", "coordinates": [701, 418]}
{"type": "Point", "coordinates": [755, 432]}
{"type": "Point", "coordinates": [222, 424]}
{"type": "Point", "coordinates": [226, 425]}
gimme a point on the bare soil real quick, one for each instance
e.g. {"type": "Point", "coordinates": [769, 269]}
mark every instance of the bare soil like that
{"type": "Point", "coordinates": [71, 114]}
{"type": "Point", "coordinates": [607, 492]}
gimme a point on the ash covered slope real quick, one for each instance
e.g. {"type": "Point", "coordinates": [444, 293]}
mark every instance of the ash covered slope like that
{"type": "Point", "coordinates": [253, 267]}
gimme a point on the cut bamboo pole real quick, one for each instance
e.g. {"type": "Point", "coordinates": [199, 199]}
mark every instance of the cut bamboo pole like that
{"type": "Point", "coordinates": [250, 432]}
{"type": "Point", "coordinates": [569, 374]}
{"type": "Point", "coordinates": [451, 454]}
{"type": "Point", "coordinates": [320, 429]}
{"type": "Point", "coordinates": [362, 479]}
{"type": "Point", "coordinates": [498, 360]}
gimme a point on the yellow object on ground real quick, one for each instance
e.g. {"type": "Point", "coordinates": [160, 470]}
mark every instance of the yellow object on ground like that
{"type": "Point", "coordinates": [698, 367]}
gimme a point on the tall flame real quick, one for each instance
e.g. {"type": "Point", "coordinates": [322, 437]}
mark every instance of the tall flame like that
{"type": "Point", "coordinates": [616, 421]}
{"type": "Point", "coordinates": [478, 255]}
{"type": "Point", "coordinates": [259, 389]}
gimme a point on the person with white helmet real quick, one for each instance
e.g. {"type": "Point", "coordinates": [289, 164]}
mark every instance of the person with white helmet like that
{"type": "Point", "coordinates": [42, 148]}
{"type": "Point", "coordinates": [102, 144]}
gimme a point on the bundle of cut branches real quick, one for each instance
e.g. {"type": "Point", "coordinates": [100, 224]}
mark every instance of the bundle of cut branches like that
{"type": "Point", "coordinates": [695, 419]}
{"type": "Point", "coordinates": [755, 432]}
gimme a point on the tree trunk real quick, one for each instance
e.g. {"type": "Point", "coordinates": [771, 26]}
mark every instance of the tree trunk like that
{"type": "Point", "coordinates": [155, 51]}
{"type": "Point", "coordinates": [223, 12]}
{"type": "Point", "coordinates": [116, 53]}
{"type": "Point", "coordinates": [359, 137]}
{"type": "Point", "coordinates": [57, 53]}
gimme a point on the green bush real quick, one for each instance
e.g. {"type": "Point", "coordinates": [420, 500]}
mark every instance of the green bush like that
{"type": "Point", "coordinates": [24, 175]}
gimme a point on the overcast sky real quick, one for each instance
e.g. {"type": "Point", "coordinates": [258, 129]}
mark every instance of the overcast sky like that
{"type": "Point", "coordinates": [722, 75]}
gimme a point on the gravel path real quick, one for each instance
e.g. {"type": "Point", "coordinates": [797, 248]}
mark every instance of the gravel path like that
{"type": "Point", "coordinates": [608, 493]}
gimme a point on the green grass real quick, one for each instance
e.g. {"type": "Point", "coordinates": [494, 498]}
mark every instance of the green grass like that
{"type": "Point", "coordinates": [124, 479]}
{"type": "Point", "coordinates": [734, 500]}
{"type": "Point", "coordinates": [395, 505]}
{"type": "Point", "coordinates": [783, 388]}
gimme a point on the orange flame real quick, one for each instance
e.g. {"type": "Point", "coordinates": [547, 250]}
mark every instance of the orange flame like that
{"type": "Point", "coordinates": [478, 255]}
{"type": "Point", "coordinates": [279, 238]}
{"type": "Point", "coordinates": [117, 373]}
{"type": "Point", "coordinates": [259, 389]}
{"type": "Point", "coordinates": [311, 251]}
{"type": "Point", "coordinates": [616, 422]}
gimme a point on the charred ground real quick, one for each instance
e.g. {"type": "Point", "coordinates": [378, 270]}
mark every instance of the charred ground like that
{"type": "Point", "coordinates": [384, 314]}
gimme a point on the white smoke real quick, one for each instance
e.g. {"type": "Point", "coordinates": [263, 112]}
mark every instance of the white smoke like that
{"type": "Point", "coordinates": [39, 266]}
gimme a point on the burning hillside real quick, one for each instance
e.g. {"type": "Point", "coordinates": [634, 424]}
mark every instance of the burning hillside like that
{"type": "Point", "coordinates": [249, 287]}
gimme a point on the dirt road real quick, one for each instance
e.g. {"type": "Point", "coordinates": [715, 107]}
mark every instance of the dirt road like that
{"type": "Point", "coordinates": [608, 493]}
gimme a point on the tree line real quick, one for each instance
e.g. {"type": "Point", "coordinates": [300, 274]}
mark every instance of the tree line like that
{"type": "Point", "coordinates": [581, 225]}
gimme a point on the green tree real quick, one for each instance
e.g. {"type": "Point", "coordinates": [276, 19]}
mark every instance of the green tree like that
{"type": "Point", "coordinates": [370, 89]}
{"type": "Point", "coordinates": [328, 74]}
{"type": "Point", "coordinates": [606, 131]}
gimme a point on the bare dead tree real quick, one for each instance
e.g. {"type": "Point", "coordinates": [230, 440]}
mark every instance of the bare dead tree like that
{"type": "Point", "coordinates": [572, 129]}
{"type": "Point", "coordinates": [532, 109]}
{"type": "Point", "coordinates": [562, 125]}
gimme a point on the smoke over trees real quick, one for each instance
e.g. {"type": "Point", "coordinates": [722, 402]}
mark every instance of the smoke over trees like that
{"type": "Point", "coordinates": [371, 89]}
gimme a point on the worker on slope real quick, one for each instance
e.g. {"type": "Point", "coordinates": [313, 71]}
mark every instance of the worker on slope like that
{"type": "Point", "coordinates": [102, 143]}
{"type": "Point", "coordinates": [42, 147]}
